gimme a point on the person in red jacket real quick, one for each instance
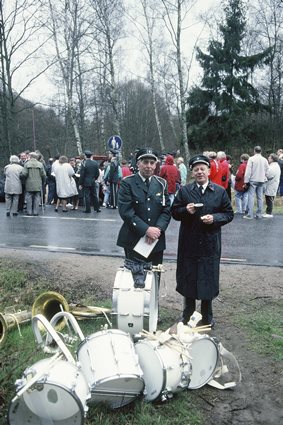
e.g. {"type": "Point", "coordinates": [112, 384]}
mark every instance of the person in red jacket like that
{"type": "Point", "coordinates": [126, 171]}
{"type": "Point", "coordinates": [224, 169]}
{"type": "Point", "coordinates": [241, 193]}
{"type": "Point", "coordinates": [171, 174]}
{"type": "Point", "coordinates": [215, 170]}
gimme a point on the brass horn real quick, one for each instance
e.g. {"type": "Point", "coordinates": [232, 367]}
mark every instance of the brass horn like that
{"type": "Point", "coordinates": [49, 303]}
{"type": "Point", "coordinates": [11, 320]}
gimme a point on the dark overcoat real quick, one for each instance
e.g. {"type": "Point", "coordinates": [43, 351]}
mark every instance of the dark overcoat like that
{"type": "Point", "coordinates": [141, 207]}
{"type": "Point", "coordinates": [89, 172]}
{"type": "Point", "coordinates": [199, 246]}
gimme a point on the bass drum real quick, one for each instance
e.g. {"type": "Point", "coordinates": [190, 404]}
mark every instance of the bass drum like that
{"type": "Point", "coordinates": [57, 398]}
{"type": "Point", "coordinates": [134, 309]}
{"type": "Point", "coordinates": [109, 361]}
{"type": "Point", "coordinates": [204, 354]}
{"type": "Point", "coordinates": [165, 370]}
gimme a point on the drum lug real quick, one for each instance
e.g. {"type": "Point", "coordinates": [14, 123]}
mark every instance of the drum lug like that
{"type": "Point", "coordinates": [19, 384]}
{"type": "Point", "coordinates": [166, 395]}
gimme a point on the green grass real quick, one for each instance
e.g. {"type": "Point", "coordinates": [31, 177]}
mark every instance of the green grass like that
{"type": "Point", "coordinates": [264, 327]}
{"type": "Point", "coordinates": [19, 353]}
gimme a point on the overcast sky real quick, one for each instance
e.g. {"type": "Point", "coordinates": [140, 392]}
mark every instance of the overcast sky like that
{"type": "Point", "coordinates": [132, 61]}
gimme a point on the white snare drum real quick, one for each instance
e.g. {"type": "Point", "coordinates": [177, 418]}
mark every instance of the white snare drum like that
{"type": "Point", "coordinates": [134, 309]}
{"type": "Point", "coordinates": [204, 357]}
{"type": "Point", "coordinates": [165, 370]}
{"type": "Point", "coordinates": [58, 397]}
{"type": "Point", "coordinates": [109, 362]}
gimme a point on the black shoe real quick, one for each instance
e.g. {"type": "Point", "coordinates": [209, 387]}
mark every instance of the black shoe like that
{"type": "Point", "coordinates": [35, 215]}
{"type": "Point", "coordinates": [56, 210]}
{"type": "Point", "coordinates": [202, 323]}
{"type": "Point", "coordinates": [7, 214]}
{"type": "Point", "coordinates": [14, 214]}
{"type": "Point", "coordinates": [98, 210]}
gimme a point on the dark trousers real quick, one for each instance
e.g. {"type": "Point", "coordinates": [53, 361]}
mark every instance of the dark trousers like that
{"type": "Point", "coordinates": [90, 194]}
{"type": "Point", "coordinates": [206, 310]}
{"type": "Point", "coordinates": [269, 203]}
{"type": "Point", "coordinates": [113, 194]}
{"type": "Point", "coordinates": [155, 258]}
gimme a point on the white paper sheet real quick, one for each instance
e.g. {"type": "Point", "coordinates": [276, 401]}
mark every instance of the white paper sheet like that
{"type": "Point", "coordinates": [143, 248]}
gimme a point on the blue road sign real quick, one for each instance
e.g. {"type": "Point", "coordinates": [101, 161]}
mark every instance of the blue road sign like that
{"type": "Point", "coordinates": [115, 142]}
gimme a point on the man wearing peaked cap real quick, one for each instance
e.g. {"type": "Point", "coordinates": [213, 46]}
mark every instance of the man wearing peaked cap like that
{"type": "Point", "coordinates": [203, 208]}
{"type": "Point", "coordinates": [146, 153]}
{"type": "Point", "coordinates": [144, 207]}
{"type": "Point", "coordinates": [88, 154]}
{"type": "Point", "coordinates": [199, 159]}
{"type": "Point", "coordinates": [89, 173]}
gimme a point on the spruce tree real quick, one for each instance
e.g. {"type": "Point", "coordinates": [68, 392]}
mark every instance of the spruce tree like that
{"type": "Point", "coordinates": [218, 109]}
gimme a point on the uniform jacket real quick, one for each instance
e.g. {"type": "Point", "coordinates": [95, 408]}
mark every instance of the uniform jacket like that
{"type": "Point", "coordinates": [89, 172]}
{"type": "Point", "coordinates": [13, 184]}
{"type": "Point", "coordinates": [141, 207]}
{"type": "Point", "coordinates": [199, 245]}
{"type": "Point", "coordinates": [34, 174]}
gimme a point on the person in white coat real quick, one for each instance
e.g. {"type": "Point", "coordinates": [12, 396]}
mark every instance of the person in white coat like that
{"type": "Point", "coordinates": [13, 185]}
{"type": "Point", "coordinates": [65, 184]}
{"type": "Point", "coordinates": [272, 184]}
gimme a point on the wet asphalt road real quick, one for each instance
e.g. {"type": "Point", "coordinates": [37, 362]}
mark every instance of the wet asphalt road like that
{"type": "Point", "coordinates": [257, 242]}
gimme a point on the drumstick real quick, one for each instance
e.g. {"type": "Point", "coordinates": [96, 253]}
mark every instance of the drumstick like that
{"type": "Point", "coordinates": [38, 375]}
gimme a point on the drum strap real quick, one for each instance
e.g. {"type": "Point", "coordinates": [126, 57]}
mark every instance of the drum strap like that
{"type": "Point", "coordinates": [138, 269]}
{"type": "Point", "coordinates": [223, 369]}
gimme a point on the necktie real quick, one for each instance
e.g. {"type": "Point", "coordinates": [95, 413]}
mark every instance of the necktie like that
{"type": "Point", "coordinates": [147, 182]}
{"type": "Point", "coordinates": [200, 188]}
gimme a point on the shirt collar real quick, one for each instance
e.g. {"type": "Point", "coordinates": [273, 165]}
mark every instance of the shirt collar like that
{"type": "Point", "coordinates": [204, 186]}
{"type": "Point", "coordinates": [143, 178]}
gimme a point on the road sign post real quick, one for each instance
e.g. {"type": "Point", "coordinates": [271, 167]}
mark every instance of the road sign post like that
{"type": "Point", "coordinates": [115, 142]}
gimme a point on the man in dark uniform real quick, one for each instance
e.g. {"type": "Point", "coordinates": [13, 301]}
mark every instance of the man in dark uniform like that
{"type": "Point", "coordinates": [144, 206]}
{"type": "Point", "coordinates": [89, 173]}
{"type": "Point", "coordinates": [202, 207]}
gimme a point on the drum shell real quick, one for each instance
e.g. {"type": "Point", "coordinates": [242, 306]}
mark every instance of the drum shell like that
{"type": "Point", "coordinates": [165, 370]}
{"type": "Point", "coordinates": [59, 395]}
{"type": "Point", "coordinates": [134, 309]}
{"type": "Point", "coordinates": [109, 362]}
{"type": "Point", "coordinates": [204, 355]}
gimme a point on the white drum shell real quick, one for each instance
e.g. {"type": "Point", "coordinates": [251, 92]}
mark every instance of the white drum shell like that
{"type": "Point", "coordinates": [204, 357]}
{"type": "Point", "coordinates": [134, 309]}
{"type": "Point", "coordinates": [109, 361]}
{"type": "Point", "coordinates": [164, 369]}
{"type": "Point", "coordinates": [58, 396]}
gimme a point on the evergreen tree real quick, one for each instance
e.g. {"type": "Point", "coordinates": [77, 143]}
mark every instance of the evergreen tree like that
{"type": "Point", "coordinates": [218, 110]}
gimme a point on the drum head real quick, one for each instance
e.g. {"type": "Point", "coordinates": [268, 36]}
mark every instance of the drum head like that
{"type": "Point", "coordinates": [153, 371]}
{"type": "Point", "coordinates": [204, 355]}
{"type": "Point", "coordinates": [20, 414]}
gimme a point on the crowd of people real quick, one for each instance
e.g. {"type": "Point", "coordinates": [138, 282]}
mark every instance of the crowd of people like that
{"type": "Point", "coordinates": [148, 190]}
{"type": "Point", "coordinates": [80, 182]}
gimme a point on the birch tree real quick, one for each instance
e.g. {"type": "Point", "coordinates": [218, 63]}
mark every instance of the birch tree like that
{"type": "Point", "coordinates": [70, 28]}
{"type": "Point", "coordinates": [267, 32]}
{"type": "Point", "coordinates": [108, 26]}
{"type": "Point", "coordinates": [148, 37]}
{"type": "Point", "coordinates": [174, 14]}
{"type": "Point", "coordinates": [20, 44]}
